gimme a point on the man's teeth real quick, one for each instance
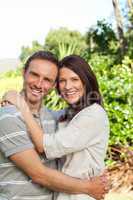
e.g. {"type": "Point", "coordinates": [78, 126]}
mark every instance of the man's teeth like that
{"type": "Point", "coordinates": [36, 92]}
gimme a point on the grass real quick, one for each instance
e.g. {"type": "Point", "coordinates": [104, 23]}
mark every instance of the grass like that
{"type": "Point", "coordinates": [7, 83]}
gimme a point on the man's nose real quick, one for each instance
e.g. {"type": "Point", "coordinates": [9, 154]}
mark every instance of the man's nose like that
{"type": "Point", "coordinates": [39, 83]}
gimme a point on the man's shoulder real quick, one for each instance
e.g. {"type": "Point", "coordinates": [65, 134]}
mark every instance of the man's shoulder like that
{"type": "Point", "coordinates": [10, 109]}
{"type": "Point", "coordinates": [56, 115]}
{"type": "Point", "coordinates": [7, 113]}
{"type": "Point", "coordinates": [46, 114]}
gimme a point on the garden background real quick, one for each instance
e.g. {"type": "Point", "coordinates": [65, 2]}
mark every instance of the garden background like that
{"type": "Point", "coordinates": [110, 53]}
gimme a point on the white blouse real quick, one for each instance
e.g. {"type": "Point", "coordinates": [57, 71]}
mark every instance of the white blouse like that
{"type": "Point", "coordinates": [84, 143]}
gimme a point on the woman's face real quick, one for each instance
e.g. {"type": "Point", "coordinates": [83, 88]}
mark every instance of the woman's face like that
{"type": "Point", "coordinates": [70, 85]}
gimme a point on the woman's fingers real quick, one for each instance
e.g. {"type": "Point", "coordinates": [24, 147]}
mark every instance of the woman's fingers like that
{"type": "Point", "coordinates": [13, 97]}
{"type": "Point", "coordinates": [4, 103]}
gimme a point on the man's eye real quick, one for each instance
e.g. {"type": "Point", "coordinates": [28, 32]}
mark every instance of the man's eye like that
{"type": "Point", "coordinates": [34, 74]}
{"type": "Point", "coordinates": [48, 80]}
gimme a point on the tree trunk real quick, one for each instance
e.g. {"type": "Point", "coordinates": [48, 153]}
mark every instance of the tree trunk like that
{"type": "Point", "coordinates": [130, 7]}
{"type": "Point", "coordinates": [130, 4]}
{"type": "Point", "coordinates": [119, 25]}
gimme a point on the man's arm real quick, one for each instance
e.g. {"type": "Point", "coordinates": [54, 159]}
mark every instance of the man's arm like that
{"type": "Point", "coordinates": [30, 163]}
{"type": "Point", "coordinates": [15, 144]}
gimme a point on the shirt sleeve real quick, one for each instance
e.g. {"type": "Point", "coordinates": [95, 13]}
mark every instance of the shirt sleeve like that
{"type": "Point", "coordinates": [58, 114]}
{"type": "Point", "coordinates": [13, 135]}
{"type": "Point", "coordinates": [84, 130]}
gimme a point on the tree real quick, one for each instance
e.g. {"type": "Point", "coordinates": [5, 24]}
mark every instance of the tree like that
{"type": "Point", "coordinates": [130, 4]}
{"type": "Point", "coordinates": [130, 13]}
{"type": "Point", "coordinates": [65, 40]}
{"type": "Point", "coordinates": [102, 38]}
{"type": "Point", "coordinates": [27, 51]}
{"type": "Point", "coordinates": [118, 19]}
{"type": "Point", "coordinates": [120, 29]}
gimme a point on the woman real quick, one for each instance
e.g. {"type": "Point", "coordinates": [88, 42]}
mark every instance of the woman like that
{"type": "Point", "coordinates": [84, 139]}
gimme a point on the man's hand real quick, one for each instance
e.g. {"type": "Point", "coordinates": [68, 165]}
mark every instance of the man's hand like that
{"type": "Point", "coordinates": [98, 186]}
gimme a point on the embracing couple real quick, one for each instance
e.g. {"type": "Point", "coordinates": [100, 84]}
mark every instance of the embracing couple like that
{"type": "Point", "coordinates": [35, 142]}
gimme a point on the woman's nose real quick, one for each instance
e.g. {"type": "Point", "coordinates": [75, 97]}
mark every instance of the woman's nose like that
{"type": "Point", "coordinates": [68, 85]}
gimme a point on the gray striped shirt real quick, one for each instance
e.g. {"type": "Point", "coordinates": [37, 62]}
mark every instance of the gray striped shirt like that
{"type": "Point", "coordinates": [14, 184]}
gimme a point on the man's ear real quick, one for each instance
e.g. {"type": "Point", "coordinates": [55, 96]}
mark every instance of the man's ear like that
{"type": "Point", "coordinates": [23, 72]}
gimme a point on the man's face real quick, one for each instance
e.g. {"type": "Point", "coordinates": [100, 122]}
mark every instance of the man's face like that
{"type": "Point", "coordinates": [39, 78]}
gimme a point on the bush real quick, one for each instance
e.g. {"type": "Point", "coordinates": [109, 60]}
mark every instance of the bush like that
{"type": "Point", "coordinates": [116, 87]}
{"type": "Point", "coordinates": [116, 84]}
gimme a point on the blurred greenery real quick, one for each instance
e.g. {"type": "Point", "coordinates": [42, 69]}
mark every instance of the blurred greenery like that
{"type": "Point", "coordinates": [8, 82]}
{"type": "Point", "coordinates": [72, 41]}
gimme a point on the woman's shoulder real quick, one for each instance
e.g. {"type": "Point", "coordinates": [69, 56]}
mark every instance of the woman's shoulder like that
{"type": "Point", "coordinates": [92, 116]}
{"type": "Point", "coordinates": [94, 110]}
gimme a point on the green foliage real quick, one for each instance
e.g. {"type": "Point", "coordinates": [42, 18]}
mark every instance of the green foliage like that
{"type": "Point", "coordinates": [27, 51]}
{"type": "Point", "coordinates": [72, 41]}
{"type": "Point", "coordinates": [129, 39]}
{"type": "Point", "coordinates": [11, 80]}
{"type": "Point", "coordinates": [61, 42]}
{"type": "Point", "coordinates": [9, 83]}
{"type": "Point", "coordinates": [54, 101]}
{"type": "Point", "coordinates": [130, 17]}
{"type": "Point", "coordinates": [12, 73]}
{"type": "Point", "coordinates": [102, 38]}
{"type": "Point", "coordinates": [116, 84]}
{"type": "Point", "coordinates": [65, 49]}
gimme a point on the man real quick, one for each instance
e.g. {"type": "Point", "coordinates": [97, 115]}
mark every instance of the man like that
{"type": "Point", "coordinates": [22, 171]}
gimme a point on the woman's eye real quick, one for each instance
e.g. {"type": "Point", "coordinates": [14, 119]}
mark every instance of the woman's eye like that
{"type": "Point", "coordinates": [75, 79]}
{"type": "Point", "coordinates": [61, 80]}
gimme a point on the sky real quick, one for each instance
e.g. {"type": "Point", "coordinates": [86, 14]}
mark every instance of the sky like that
{"type": "Point", "coordinates": [22, 21]}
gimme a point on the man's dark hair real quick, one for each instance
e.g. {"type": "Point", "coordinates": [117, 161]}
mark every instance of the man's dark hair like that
{"type": "Point", "coordinates": [43, 55]}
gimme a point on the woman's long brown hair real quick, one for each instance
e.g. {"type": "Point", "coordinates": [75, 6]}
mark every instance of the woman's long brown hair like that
{"type": "Point", "coordinates": [79, 66]}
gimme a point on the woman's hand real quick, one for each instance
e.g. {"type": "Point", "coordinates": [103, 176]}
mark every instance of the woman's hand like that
{"type": "Point", "coordinates": [15, 98]}
{"type": "Point", "coordinates": [4, 103]}
{"type": "Point", "coordinates": [12, 97]}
